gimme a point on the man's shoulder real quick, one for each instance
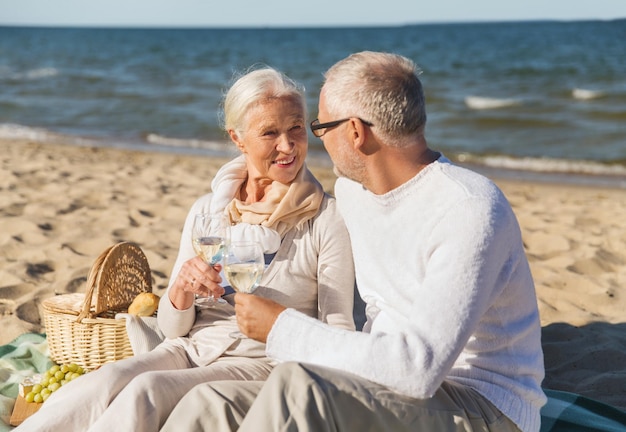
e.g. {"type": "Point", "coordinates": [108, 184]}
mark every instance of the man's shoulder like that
{"type": "Point", "coordinates": [471, 181]}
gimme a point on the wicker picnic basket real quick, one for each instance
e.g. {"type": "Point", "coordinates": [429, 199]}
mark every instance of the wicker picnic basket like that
{"type": "Point", "coordinates": [81, 328]}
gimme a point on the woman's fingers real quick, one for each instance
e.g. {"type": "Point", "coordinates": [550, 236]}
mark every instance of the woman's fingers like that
{"type": "Point", "coordinates": [196, 276]}
{"type": "Point", "coordinates": [201, 278]}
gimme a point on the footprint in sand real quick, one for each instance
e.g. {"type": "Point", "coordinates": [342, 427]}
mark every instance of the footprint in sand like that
{"type": "Point", "coordinates": [71, 208]}
{"type": "Point", "coordinates": [29, 312]}
{"type": "Point", "coordinates": [602, 262]}
{"type": "Point", "coordinates": [15, 291]}
{"type": "Point", "coordinates": [545, 245]}
{"type": "Point", "coordinates": [13, 209]}
{"type": "Point", "coordinates": [36, 270]}
{"type": "Point", "coordinates": [76, 285]}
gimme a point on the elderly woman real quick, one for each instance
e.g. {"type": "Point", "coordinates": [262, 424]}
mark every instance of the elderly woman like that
{"type": "Point", "coordinates": [270, 197]}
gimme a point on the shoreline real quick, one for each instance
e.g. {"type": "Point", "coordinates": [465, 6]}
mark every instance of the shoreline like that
{"type": "Point", "coordinates": [549, 178]}
{"type": "Point", "coordinates": [524, 169]}
{"type": "Point", "coordinates": [61, 205]}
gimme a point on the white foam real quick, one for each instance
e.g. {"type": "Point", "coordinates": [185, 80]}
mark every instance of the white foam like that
{"type": "Point", "coordinates": [12, 131]}
{"type": "Point", "coordinates": [547, 165]}
{"type": "Point", "coordinates": [17, 132]}
{"type": "Point", "coordinates": [185, 143]}
{"type": "Point", "coordinates": [32, 74]}
{"type": "Point", "coordinates": [483, 103]}
{"type": "Point", "coordinates": [41, 73]}
{"type": "Point", "coordinates": [584, 94]}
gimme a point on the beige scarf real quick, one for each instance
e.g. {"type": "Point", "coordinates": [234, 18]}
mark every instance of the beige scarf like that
{"type": "Point", "coordinates": [285, 206]}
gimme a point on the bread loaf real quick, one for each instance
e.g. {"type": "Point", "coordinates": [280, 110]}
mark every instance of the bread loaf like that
{"type": "Point", "coordinates": [145, 304]}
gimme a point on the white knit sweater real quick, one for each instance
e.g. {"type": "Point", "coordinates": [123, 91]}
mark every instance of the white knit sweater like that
{"type": "Point", "coordinates": [440, 264]}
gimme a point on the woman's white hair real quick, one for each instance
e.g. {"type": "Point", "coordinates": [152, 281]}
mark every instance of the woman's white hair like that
{"type": "Point", "coordinates": [256, 85]}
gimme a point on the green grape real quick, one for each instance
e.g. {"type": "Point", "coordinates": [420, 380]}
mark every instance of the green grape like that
{"type": "Point", "coordinates": [52, 380]}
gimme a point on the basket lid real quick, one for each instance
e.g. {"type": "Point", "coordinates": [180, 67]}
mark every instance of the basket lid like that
{"type": "Point", "coordinates": [117, 276]}
{"type": "Point", "coordinates": [70, 304]}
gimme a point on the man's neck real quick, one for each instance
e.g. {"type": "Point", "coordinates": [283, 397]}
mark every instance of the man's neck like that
{"type": "Point", "coordinates": [395, 166]}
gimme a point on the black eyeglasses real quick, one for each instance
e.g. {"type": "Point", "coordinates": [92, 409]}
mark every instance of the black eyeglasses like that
{"type": "Point", "coordinates": [320, 129]}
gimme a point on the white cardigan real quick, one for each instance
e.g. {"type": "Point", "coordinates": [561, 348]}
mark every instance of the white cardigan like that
{"type": "Point", "coordinates": [311, 272]}
{"type": "Point", "coordinates": [440, 264]}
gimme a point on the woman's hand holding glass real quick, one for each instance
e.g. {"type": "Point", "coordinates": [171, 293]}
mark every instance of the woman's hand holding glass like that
{"type": "Point", "coordinates": [195, 278]}
{"type": "Point", "coordinates": [209, 235]}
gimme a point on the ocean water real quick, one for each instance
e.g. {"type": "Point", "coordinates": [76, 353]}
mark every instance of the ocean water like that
{"type": "Point", "coordinates": [530, 99]}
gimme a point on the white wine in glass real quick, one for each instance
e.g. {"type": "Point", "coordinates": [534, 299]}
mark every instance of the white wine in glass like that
{"type": "Point", "coordinates": [209, 235]}
{"type": "Point", "coordinates": [210, 249]}
{"type": "Point", "coordinates": [244, 264]}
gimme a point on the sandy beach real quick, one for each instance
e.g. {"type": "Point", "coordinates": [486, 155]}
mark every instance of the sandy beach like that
{"type": "Point", "coordinates": [60, 206]}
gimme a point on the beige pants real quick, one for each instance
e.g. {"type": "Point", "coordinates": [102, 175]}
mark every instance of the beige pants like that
{"type": "Point", "coordinates": [301, 398]}
{"type": "Point", "coordinates": [135, 394]}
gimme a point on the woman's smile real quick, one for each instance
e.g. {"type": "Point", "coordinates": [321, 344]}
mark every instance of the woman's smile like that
{"type": "Point", "coordinates": [285, 162]}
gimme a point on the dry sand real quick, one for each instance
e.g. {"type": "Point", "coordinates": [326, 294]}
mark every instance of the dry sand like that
{"type": "Point", "coordinates": [60, 206]}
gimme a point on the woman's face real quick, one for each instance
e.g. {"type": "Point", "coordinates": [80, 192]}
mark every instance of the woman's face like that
{"type": "Point", "coordinates": [275, 140]}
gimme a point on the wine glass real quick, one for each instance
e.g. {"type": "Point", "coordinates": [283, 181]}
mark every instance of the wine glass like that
{"type": "Point", "coordinates": [210, 235]}
{"type": "Point", "coordinates": [244, 264]}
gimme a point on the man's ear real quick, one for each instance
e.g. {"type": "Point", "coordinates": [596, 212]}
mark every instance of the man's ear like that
{"type": "Point", "coordinates": [358, 134]}
{"type": "Point", "coordinates": [235, 138]}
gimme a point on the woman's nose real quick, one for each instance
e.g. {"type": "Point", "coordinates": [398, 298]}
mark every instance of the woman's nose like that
{"type": "Point", "coordinates": [285, 144]}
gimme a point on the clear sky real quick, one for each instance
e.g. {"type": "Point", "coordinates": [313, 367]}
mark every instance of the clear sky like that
{"type": "Point", "coordinates": [286, 13]}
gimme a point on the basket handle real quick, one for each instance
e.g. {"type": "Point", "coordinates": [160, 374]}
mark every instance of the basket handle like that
{"type": "Point", "coordinates": [92, 280]}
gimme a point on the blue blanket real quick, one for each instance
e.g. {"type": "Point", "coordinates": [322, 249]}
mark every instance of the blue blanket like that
{"type": "Point", "coordinates": [569, 412]}
{"type": "Point", "coordinates": [564, 412]}
{"type": "Point", "coordinates": [25, 356]}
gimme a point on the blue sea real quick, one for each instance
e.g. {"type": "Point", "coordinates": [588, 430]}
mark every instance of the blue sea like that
{"type": "Point", "coordinates": [543, 100]}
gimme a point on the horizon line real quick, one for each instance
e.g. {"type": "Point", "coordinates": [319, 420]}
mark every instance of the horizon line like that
{"type": "Point", "coordinates": [296, 26]}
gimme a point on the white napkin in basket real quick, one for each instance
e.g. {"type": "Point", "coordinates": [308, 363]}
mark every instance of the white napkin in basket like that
{"type": "Point", "coordinates": [143, 332]}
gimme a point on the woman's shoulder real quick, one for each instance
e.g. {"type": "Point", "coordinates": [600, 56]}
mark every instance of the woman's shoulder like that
{"type": "Point", "coordinates": [202, 204]}
{"type": "Point", "coordinates": [328, 204]}
{"type": "Point", "coordinates": [328, 212]}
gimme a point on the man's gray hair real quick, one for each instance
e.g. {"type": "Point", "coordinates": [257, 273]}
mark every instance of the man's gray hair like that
{"type": "Point", "coordinates": [381, 88]}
